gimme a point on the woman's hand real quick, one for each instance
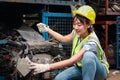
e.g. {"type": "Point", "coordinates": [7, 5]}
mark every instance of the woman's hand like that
{"type": "Point", "coordinates": [42, 27]}
{"type": "Point", "coordinates": [39, 68]}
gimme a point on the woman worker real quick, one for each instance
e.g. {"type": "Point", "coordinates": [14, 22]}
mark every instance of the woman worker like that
{"type": "Point", "coordinates": [88, 60]}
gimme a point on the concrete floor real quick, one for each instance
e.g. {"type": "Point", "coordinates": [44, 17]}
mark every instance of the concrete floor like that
{"type": "Point", "coordinates": [114, 74]}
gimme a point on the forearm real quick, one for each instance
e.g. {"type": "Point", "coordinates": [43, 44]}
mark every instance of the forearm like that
{"type": "Point", "coordinates": [56, 35]}
{"type": "Point", "coordinates": [59, 37]}
{"type": "Point", "coordinates": [73, 60]}
{"type": "Point", "coordinates": [61, 64]}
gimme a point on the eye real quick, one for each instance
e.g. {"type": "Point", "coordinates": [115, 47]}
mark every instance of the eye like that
{"type": "Point", "coordinates": [79, 24]}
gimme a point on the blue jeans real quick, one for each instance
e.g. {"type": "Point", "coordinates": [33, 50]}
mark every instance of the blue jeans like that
{"type": "Point", "coordinates": [92, 69]}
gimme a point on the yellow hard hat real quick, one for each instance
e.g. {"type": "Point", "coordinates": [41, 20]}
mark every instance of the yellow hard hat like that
{"type": "Point", "coordinates": [87, 12]}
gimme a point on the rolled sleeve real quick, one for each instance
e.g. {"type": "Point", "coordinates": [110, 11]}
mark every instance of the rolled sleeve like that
{"type": "Point", "coordinates": [90, 46]}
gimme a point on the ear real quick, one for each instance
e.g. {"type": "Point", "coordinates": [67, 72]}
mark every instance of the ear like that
{"type": "Point", "coordinates": [88, 26]}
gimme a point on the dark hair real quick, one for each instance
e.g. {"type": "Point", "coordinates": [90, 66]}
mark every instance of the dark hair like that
{"type": "Point", "coordinates": [84, 21]}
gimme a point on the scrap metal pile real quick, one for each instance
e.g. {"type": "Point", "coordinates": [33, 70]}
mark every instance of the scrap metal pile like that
{"type": "Point", "coordinates": [22, 42]}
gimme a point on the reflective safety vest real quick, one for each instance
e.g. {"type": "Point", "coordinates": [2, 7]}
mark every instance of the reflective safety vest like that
{"type": "Point", "coordinates": [90, 38]}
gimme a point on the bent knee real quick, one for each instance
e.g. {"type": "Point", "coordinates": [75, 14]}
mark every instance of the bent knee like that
{"type": "Point", "coordinates": [88, 57]}
{"type": "Point", "coordinates": [89, 54]}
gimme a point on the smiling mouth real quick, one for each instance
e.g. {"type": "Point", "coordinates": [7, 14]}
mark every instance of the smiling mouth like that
{"type": "Point", "coordinates": [77, 31]}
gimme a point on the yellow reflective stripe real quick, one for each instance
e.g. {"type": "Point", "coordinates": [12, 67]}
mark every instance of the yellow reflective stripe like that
{"type": "Point", "coordinates": [74, 44]}
{"type": "Point", "coordinates": [76, 48]}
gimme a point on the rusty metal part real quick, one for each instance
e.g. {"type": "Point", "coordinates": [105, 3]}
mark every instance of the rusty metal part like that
{"type": "Point", "coordinates": [115, 6]}
{"type": "Point", "coordinates": [23, 66]}
{"type": "Point", "coordinates": [30, 34]}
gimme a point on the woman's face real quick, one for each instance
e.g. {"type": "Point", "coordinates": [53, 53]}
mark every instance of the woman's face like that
{"type": "Point", "coordinates": [79, 27]}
